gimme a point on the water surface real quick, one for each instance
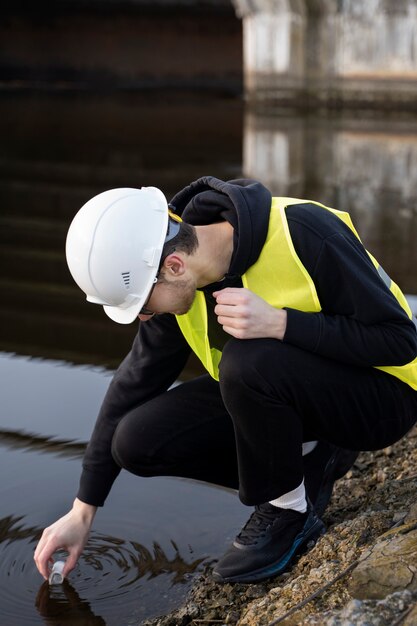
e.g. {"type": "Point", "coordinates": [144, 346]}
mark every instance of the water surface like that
{"type": "Point", "coordinates": [148, 541]}
{"type": "Point", "coordinates": [57, 353]}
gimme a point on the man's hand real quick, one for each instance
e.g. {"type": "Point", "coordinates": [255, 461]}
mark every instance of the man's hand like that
{"type": "Point", "coordinates": [245, 315]}
{"type": "Point", "coordinates": [69, 533]}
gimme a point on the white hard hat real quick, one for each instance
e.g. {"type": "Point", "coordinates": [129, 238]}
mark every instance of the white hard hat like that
{"type": "Point", "coordinates": [114, 247]}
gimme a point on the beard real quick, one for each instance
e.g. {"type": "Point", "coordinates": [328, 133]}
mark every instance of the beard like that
{"type": "Point", "coordinates": [180, 294]}
{"type": "Point", "coordinates": [186, 292]}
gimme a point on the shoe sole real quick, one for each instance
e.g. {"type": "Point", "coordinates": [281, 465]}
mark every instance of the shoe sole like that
{"type": "Point", "coordinates": [338, 465]}
{"type": "Point", "coordinates": [301, 544]}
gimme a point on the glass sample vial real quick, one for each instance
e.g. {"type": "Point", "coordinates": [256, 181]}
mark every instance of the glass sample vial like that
{"type": "Point", "coordinates": [56, 577]}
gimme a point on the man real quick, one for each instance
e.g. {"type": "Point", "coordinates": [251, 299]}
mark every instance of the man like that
{"type": "Point", "coordinates": [309, 346]}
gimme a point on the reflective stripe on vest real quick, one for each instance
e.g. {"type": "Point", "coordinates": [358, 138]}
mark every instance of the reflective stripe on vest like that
{"type": "Point", "coordinates": [295, 289]}
{"type": "Point", "coordinates": [387, 280]}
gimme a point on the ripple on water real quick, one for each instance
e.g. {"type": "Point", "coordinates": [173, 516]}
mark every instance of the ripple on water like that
{"type": "Point", "coordinates": [116, 581]}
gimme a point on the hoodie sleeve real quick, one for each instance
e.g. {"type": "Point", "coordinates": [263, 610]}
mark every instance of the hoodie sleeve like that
{"type": "Point", "coordinates": [361, 322]}
{"type": "Point", "coordinates": [157, 357]}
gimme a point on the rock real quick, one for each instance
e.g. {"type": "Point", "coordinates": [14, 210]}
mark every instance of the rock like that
{"type": "Point", "coordinates": [371, 612]}
{"type": "Point", "coordinates": [412, 514]}
{"type": "Point", "coordinates": [232, 617]}
{"type": "Point", "coordinates": [411, 618]}
{"type": "Point", "coordinates": [399, 516]}
{"type": "Point", "coordinates": [389, 566]}
{"type": "Point", "coordinates": [181, 617]}
{"type": "Point", "coordinates": [359, 518]}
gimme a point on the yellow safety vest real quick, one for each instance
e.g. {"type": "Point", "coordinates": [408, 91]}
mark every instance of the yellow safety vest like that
{"type": "Point", "coordinates": [295, 289]}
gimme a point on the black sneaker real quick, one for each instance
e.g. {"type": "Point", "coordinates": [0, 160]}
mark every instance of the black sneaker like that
{"type": "Point", "coordinates": [267, 544]}
{"type": "Point", "coordinates": [322, 467]}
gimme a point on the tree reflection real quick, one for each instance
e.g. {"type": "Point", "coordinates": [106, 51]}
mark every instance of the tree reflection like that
{"type": "Point", "coordinates": [124, 555]}
{"type": "Point", "coordinates": [122, 566]}
{"type": "Point", "coordinates": [138, 560]}
{"type": "Point", "coordinates": [10, 530]}
{"type": "Point", "coordinates": [19, 440]}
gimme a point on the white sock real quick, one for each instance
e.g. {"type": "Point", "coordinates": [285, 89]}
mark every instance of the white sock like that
{"type": "Point", "coordinates": [309, 446]}
{"type": "Point", "coordinates": [295, 499]}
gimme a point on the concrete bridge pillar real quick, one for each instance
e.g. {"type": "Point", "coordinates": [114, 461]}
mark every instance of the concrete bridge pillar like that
{"type": "Point", "coordinates": [376, 53]}
{"type": "Point", "coordinates": [273, 47]}
{"type": "Point", "coordinates": [328, 52]}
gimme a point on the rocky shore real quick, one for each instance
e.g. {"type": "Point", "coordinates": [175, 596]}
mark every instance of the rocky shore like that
{"type": "Point", "coordinates": [362, 572]}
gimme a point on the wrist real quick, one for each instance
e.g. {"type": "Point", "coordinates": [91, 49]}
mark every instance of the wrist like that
{"type": "Point", "coordinates": [281, 323]}
{"type": "Point", "coordinates": [84, 510]}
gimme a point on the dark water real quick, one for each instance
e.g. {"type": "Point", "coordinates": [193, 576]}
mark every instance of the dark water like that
{"type": "Point", "coordinates": [149, 539]}
{"type": "Point", "coordinates": [57, 352]}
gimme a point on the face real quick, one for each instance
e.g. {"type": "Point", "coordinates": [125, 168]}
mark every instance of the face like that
{"type": "Point", "coordinates": [170, 296]}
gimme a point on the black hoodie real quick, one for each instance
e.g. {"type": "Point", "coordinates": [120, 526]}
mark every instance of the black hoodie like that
{"type": "Point", "coordinates": [245, 204]}
{"type": "Point", "coordinates": [361, 323]}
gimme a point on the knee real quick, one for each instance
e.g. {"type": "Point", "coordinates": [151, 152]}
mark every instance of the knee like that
{"type": "Point", "coordinates": [130, 451]}
{"type": "Point", "coordinates": [256, 364]}
{"type": "Point", "coordinates": [244, 358]}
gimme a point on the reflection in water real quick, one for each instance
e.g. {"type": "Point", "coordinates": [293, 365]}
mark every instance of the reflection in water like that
{"type": "Point", "coordinates": [10, 532]}
{"type": "Point", "coordinates": [61, 604]}
{"type": "Point", "coordinates": [149, 540]}
{"type": "Point", "coordinates": [17, 440]}
{"type": "Point", "coordinates": [365, 165]}
{"type": "Point", "coordinates": [137, 561]}
{"type": "Point", "coordinates": [111, 570]}
{"type": "Point", "coordinates": [55, 155]}
{"type": "Point", "coordinates": [57, 151]}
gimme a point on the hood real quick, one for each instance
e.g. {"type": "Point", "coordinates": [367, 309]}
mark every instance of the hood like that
{"type": "Point", "coordinates": [244, 203]}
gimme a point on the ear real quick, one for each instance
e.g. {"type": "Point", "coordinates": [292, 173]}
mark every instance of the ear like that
{"type": "Point", "coordinates": [174, 264]}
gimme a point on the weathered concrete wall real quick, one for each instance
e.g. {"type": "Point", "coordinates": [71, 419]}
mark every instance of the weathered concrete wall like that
{"type": "Point", "coordinates": [377, 39]}
{"type": "Point", "coordinates": [323, 52]}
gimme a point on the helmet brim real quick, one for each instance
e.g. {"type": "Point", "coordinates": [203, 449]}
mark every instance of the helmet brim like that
{"type": "Point", "coordinates": [123, 316]}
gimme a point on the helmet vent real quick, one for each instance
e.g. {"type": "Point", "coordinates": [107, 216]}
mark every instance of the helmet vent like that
{"type": "Point", "coordinates": [126, 278]}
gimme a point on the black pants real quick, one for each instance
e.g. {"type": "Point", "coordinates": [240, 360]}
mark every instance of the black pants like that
{"type": "Point", "coordinates": [246, 432]}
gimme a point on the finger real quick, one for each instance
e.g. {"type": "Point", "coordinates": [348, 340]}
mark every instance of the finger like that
{"type": "Point", "coordinates": [227, 290]}
{"type": "Point", "coordinates": [232, 300]}
{"type": "Point", "coordinates": [238, 333]}
{"type": "Point", "coordinates": [42, 562]}
{"type": "Point", "coordinates": [230, 294]}
{"type": "Point", "coordinates": [226, 310]}
{"type": "Point", "coordinates": [41, 544]}
{"type": "Point", "coordinates": [43, 554]}
{"type": "Point", "coordinates": [233, 321]}
{"type": "Point", "coordinates": [70, 563]}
